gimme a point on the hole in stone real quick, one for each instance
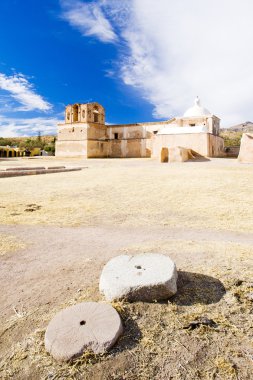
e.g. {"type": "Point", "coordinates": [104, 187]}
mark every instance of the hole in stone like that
{"type": "Point", "coordinates": [137, 266]}
{"type": "Point", "coordinates": [82, 323]}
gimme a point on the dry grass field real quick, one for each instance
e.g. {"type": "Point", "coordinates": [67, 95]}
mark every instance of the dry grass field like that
{"type": "Point", "coordinates": [58, 230]}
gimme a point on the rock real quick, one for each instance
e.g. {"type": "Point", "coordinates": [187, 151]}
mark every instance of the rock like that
{"type": "Point", "coordinates": [202, 321]}
{"type": "Point", "coordinates": [90, 326]}
{"type": "Point", "coordinates": [146, 277]}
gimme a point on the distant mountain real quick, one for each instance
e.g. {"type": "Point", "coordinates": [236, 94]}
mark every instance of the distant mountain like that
{"type": "Point", "coordinates": [243, 127]}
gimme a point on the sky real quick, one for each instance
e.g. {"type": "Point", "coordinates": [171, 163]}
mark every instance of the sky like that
{"type": "Point", "coordinates": [143, 60]}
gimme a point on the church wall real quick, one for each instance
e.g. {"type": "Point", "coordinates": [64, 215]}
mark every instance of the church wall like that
{"type": "Point", "coordinates": [197, 142]}
{"type": "Point", "coordinates": [117, 148]}
{"type": "Point", "coordinates": [72, 132]}
{"type": "Point", "coordinates": [141, 130]}
{"type": "Point", "coordinates": [131, 148]}
{"type": "Point", "coordinates": [150, 129]}
{"type": "Point", "coordinates": [126, 132]}
{"type": "Point", "coordinates": [71, 148]}
{"type": "Point", "coordinates": [97, 149]}
{"type": "Point", "coordinates": [113, 132]}
{"type": "Point", "coordinates": [216, 146]}
{"type": "Point", "coordinates": [185, 122]}
{"type": "Point", "coordinates": [134, 148]}
{"type": "Point", "coordinates": [96, 131]}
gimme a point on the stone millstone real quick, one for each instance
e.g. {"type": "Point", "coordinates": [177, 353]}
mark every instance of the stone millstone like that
{"type": "Point", "coordinates": [145, 277]}
{"type": "Point", "coordinates": [90, 326]}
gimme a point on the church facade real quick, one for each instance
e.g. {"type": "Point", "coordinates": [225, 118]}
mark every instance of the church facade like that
{"type": "Point", "coordinates": [85, 134]}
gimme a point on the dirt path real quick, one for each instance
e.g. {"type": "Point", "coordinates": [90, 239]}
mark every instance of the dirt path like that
{"type": "Point", "coordinates": [58, 261]}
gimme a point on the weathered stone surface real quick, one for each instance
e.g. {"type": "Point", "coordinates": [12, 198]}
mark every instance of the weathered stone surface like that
{"type": "Point", "coordinates": [246, 148]}
{"type": "Point", "coordinates": [180, 154]}
{"type": "Point", "coordinates": [145, 277]}
{"type": "Point", "coordinates": [89, 326]}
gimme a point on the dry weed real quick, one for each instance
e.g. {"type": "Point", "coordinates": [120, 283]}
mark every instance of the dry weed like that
{"type": "Point", "coordinates": [10, 244]}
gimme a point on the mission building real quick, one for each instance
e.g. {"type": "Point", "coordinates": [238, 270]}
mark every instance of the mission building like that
{"type": "Point", "coordinates": [85, 134]}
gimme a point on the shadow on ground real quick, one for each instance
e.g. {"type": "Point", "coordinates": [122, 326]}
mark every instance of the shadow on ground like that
{"type": "Point", "coordinates": [7, 159]}
{"type": "Point", "coordinates": [131, 335]}
{"type": "Point", "coordinates": [195, 288]}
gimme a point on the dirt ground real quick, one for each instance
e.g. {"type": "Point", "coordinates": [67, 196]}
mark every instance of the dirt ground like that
{"type": "Point", "coordinates": [58, 230]}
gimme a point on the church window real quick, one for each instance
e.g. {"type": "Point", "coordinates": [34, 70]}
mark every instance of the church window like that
{"type": "Point", "coordinates": [116, 136]}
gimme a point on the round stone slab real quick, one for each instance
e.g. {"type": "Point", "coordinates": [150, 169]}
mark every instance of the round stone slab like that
{"type": "Point", "coordinates": [145, 277]}
{"type": "Point", "coordinates": [88, 326]}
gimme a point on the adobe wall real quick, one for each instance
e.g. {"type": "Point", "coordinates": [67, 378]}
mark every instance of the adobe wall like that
{"type": "Point", "coordinates": [71, 148]}
{"type": "Point", "coordinates": [132, 148]}
{"type": "Point", "coordinates": [97, 149]}
{"type": "Point", "coordinates": [126, 132]}
{"type": "Point", "coordinates": [139, 130]}
{"type": "Point", "coordinates": [216, 146]}
{"type": "Point", "coordinates": [70, 132]}
{"type": "Point", "coordinates": [96, 131]}
{"type": "Point", "coordinates": [198, 142]}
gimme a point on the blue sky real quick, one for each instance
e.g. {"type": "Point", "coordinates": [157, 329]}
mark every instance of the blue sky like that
{"type": "Point", "coordinates": [142, 60]}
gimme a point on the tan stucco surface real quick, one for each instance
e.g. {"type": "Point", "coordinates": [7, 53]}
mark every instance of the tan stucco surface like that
{"type": "Point", "coordinates": [246, 149]}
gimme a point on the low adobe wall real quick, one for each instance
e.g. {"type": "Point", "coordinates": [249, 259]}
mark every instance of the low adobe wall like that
{"type": "Point", "coordinates": [246, 149]}
{"type": "Point", "coordinates": [197, 142]}
{"type": "Point", "coordinates": [205, 144]}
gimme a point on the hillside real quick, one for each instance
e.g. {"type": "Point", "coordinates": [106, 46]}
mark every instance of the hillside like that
{"type": "Point", "coordinates": [232, 135]}
{"type": "Point", "coordinates": [17, 141]}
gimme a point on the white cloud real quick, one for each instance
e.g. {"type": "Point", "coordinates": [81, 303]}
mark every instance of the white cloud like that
{"type": "Point", "coordinates": [19, 127]}
{"type": "Point", "coordinates": [178, 50]}
{"type": "Point", "coordinates": [23, 92]}
{"type": "Point", "coordinates": [89, 19]}
{"type": "Point", "coordinates": [175, 50]}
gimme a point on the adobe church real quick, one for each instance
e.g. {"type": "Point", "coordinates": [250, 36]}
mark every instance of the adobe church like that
{"type": "Point", "coordinates": [85, 134]}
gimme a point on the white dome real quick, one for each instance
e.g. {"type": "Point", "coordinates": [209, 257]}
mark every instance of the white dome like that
{"type": "Point", "coordinates": [196, 110]}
